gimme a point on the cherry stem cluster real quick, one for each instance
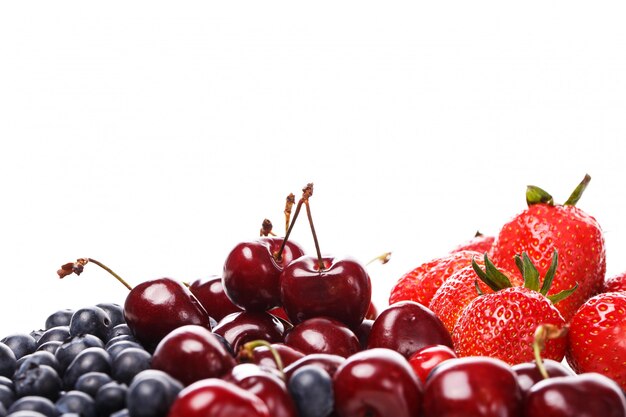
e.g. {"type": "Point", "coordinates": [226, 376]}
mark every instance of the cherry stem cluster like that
{"type": "Point", "coordinates": [77, 268]}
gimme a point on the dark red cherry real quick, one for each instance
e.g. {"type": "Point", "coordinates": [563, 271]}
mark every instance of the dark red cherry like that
{"type": "Point", "coordinates": [251, 272]}
{"type": "Point", "coordinates": [406, 327]}
{"type": "Point", "coordinates": [323, 335]}
{"type": "Point", "coordinates": [262, 355]}
{"type": "Point", "coordinates": [326, 361]}
{"type": "Point", "coordinates": [246, 326]}
{"type": "Point", "coordinates": [372, 312]}
{"type": "Point", "coordinates": [377, 382]}
{"type": "Point", "coordinates": [363, 332]}
{"type": "Point", "coordinates": [584, 395]}
{"type": "Point", "coordinates": [154, 308]}
{"type": "Point", "coordinates": [340, 290]}
{"type": "Point", "coordinates": [268, 387]}
{"type": "Point", "coordinates": [472, 386]}
{"type": "Point", "coordinates": [216, 397]}
{"type": "Point", "coordinates": [191, 353]}
{"type": "Point", "coordinates": [528, 373]}
{"type": "Point", "coordinates": [424, 360]}
{"type": "Point", "coordinates": [210, 293]}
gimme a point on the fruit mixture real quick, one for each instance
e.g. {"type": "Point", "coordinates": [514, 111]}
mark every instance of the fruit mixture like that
{"type": "Point", "coordinates": [521, 324]}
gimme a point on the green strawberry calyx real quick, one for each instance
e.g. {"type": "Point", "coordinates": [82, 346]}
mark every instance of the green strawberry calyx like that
{"type": "Point", "coordinates": [497, 280]}
{"type": "Point", "coordinates": [537, 195]}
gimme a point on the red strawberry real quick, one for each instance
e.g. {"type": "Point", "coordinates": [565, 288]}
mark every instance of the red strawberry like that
{"type": "Point", "coordinates": [420, 284]}
{"type": "Point", "coordinates": [597, 337]}
{"type": "Point", "coordinates": [545, 227]}
{"type": "Point", "coordinates": [458, 291]}
{"type": "Point", "coordinates": [616, 283]}
{"type": "Point", "coordinates": [480, 243]}
{"type": "Point", "coordinates": [503, 324]}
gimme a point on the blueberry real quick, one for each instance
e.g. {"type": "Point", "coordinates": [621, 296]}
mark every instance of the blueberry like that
{"type": "Point", "coordinates": [151, 394]}
{"type": "Point", "coordinates": [311, 388]}
{"type": "Point", "coordinates": [7, 396]}
{"type": "Point", "coordinates": [58, 333]}
{"type": "Point", "coordinates": [118, 347]}
{"type": "Point", "coordinates": [8, 362]}
{"type": "Point", "coordinates": [41, 380]}
{"type": "Point", "coordinates": [51, 346]}
{"type": "Point", "coordinates": [7, 382]}
{"type": "Point", "coordinates": [90, 320]}
{"type": "Point", "coordinates": [41, 358]}
{"type": "Point", "coordinates": [110, 398]}
{"type": "Point", "coordinates": [121, 413]}
{"type": "Point", "coordinates": [91, 382]}
{"type": "Point", "coordinates": [36, 334]}
{"type": "Point", "coordinates": [93, 359]}
{"type": "Point", "coordinates": [120, 330]}
{"type": "Point", "coordinates": [26, 413]}
{"type": "Point", "coordinates": [115, 312]}
{"type": "Point", "coordinates": [66, 353]}
{"type": "Point", "coordinates": [20, 343]}
{"type": "Point", "coordinates": [3, 411]}
{"type": "Point", "coordinates": [32, 403]}
{"type": "Point", "coordinates": [76, 402]}
{"type": "Point", "coordinates": [59, 318]}
{"type": "Point", "coordinates": [128, 363]}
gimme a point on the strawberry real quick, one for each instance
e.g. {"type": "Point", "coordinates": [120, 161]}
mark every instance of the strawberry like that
{"type": "Point", "coordinates": [615, 283]}
{"type": "Point", "coordinates": [480, 243]}
{"type": "Point", "coordinates": [458, 291]}
{"type": "Point", "coordinates": [596, 337]}
{"type": "Point", "coordinates": [503, 324]}
{"type": "Point", "coordinates": [545, 227]}
{"type": "Point", "coordinates": [420, 284]}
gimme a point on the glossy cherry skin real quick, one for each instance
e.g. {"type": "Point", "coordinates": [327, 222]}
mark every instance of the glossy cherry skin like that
{"type": "Point", "coordinates": [406, 327]}
{"type": "Point", "coordinates": [323, 335]}
{"type": "Point", "coordinates": [472, 386]}
{"type": "Point", "coordinates": [154, 308]}
{"type": "Point", "coordinates": [326, 361]}
{"type": "Point", "coordinates": [210, 293]}
{"type": "Point", "coordinates": [251, 272]}
{"type": "Point", "coordinates": [216, 397]}
{"type": "Point", "coordinates": [528, 373]}
{"type": "Point", "coordinates": [262, 355]}
{"type": "Point", "coordinates": [191, 353]}
{"type": "Point", "coordinates": [363, 332]}
{"type": "Point", "coordinates": [585, 395]}
{"type": "Point", "coordinates": [377, 382]}
{"type": "Point", "coordinates": [424, 360]}
{"type": "Point", "coordinates": [267, 386]}
{"type": "Point", "coordinates": [246, 326]}
{"type": "Point", "coordinates": [342, 290]}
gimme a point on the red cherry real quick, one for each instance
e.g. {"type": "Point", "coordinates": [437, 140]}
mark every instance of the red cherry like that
{"type": "Point", "coordinates": [246, 326]}
{"type": "Point", "coordinates": [406, 327]}
{"type": "Point", "coordinates": [377, 382]}
{"type": "Point", "coordinates": [326, 361]}
{"type": "Point", "coordinates": [323, 335]}
{"type": "Point", "coordinates": [268, 387]}
{"type": "Point", "coordinates": [191, 353]}
{"type": "Point", "coordinates": [425, 359]}
{"type": "Point", "coordinates": [210, 293]}
{"type": "Point", "coordinates": [252, 270]}
{"type": "Point", "coordinates": [528, 374]}
{"type": "Point", "coordinates": [216, 397]}
{"type": "Point", "coordinates": [154, 308]}
{"type": "Point", "coordinates": [340, 290]}
{"type": "Point", "coordinates": [262, 355]}
{"type": "Point", "coordinates": [472, 386]}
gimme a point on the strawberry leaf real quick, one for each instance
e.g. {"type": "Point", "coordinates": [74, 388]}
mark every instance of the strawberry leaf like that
{"type": "Point", "coordinates": [555, 298]}
{"type": "Point", "coordinates": [547, 280]}
{"type": "Point", "coordinates": [530, 273]}
{"type": "Point", "coordinates": [536, 195]}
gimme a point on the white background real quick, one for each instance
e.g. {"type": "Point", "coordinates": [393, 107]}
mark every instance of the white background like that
{"type": "Point", "coordinates": [154, 137]}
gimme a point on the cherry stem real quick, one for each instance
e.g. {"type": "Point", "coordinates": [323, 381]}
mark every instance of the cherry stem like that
{"type": "Point", "coordinates": [250, 346]}
{"type": "Point", "coordinates": [383, 258]}
{"type": "Point", "coordinates": [320, 261]}
{"type": "Point", "coordinates": [290, 201]}
{"type": "Point", "coordinates": [543, 333]}
{"type": "Point", "coordinates": [293, 222]}
{"type": "Point", "coordinates": [266, 228]}
{"type": "Point", "coordinates": [77, 268]}
{"type": "Point", "coordinates": [110, 271]}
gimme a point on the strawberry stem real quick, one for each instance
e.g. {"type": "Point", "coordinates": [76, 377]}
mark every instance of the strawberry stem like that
{"type": "Point", "coordinates": [578, 192]}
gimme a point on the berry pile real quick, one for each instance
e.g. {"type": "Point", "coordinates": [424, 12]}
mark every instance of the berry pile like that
{"type": "Point", "coordinates": [286, 334]}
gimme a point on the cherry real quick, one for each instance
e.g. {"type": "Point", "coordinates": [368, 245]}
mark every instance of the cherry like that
{"type": "Point", "coordinates": [326, 361]}
{"type": "Point", "coordinates": [585, 395]}
{"type": "Point", "coordinates": [528, 374]}
{"type": "Point", "coordinates": [472, 386]}
{"type": "Point", "coordinates": [377, 382]}
{"type": "Point", "coordinates": [213, 397]}
{"type": "Point", "coordinates": [267, 386]}
{"type": "Point", "coordinates": [156, 307]}
{"type": "Point", "coordinates": [263, 356]}
{"type": "Point", "coordinates": [323, 335]}
{"type": "Point", "coordinates": [406, 327]}
{"type": "Point", "coordinates": [252, 270]}
{"type": "Point", "coordinates": [363, 332]}
{"type": "Point", "coordinates": [245, 326]}
{"type": "Point", "coordinates": [339, 288]}
{"type": "Point", "coordinates": [210, 293]}
{"type": "Point", "coordinates": [190, 353]}
{"type": "Point", "coordinates": [425, 359]}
